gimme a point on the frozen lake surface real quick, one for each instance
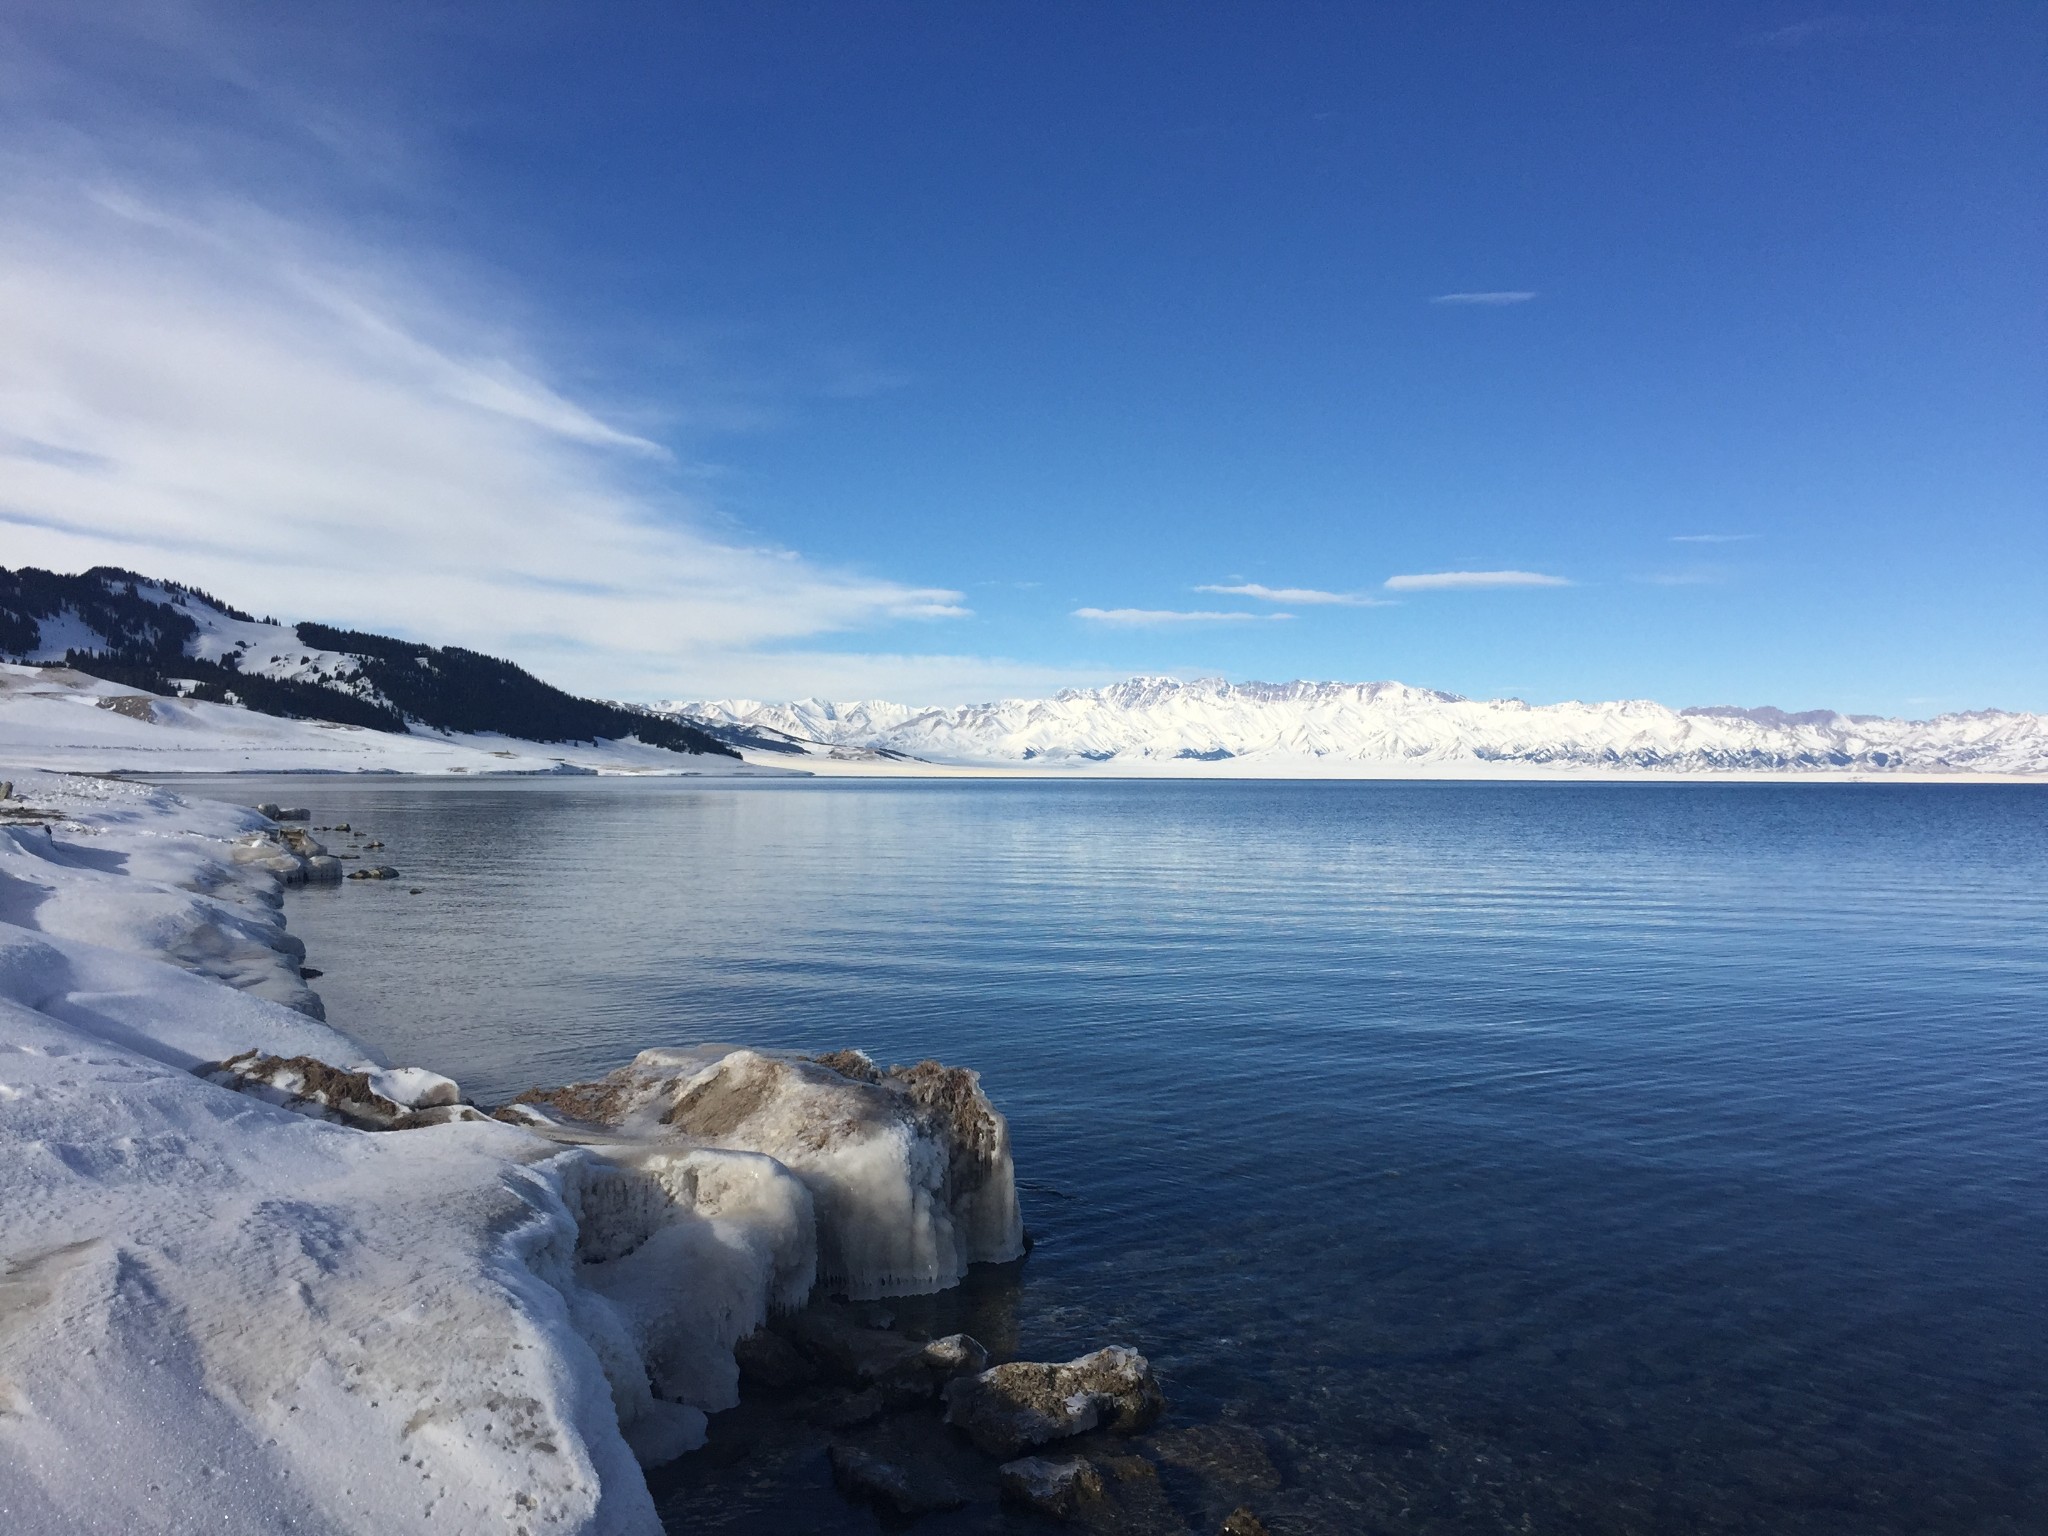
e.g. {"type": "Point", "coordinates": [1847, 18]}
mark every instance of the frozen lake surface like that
{"type": "Point", "coordinates": [1577, 1157]}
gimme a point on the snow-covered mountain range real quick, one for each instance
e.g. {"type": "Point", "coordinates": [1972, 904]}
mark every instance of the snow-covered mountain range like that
{"type": "Point", "coordinates": [1369, 729]}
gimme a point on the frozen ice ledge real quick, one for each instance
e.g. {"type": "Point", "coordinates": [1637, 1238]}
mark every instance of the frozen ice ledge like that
{"type": "Point", "coordinates": [253, 1277]}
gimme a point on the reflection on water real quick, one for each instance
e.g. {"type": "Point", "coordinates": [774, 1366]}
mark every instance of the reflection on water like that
{"type": "Point", "coordinates": [1507, 1157]}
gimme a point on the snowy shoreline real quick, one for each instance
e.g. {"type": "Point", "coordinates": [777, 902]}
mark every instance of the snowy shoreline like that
{"type": "Point", "coordinates": [224, 1305]}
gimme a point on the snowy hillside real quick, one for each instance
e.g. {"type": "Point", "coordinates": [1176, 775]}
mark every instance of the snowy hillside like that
{"type": "Point", "coordinates": [1366, 729]}
{"type": "Point", "coordinates": [60, 719]}
{"type": "Point", "coordinates": [275, 693]}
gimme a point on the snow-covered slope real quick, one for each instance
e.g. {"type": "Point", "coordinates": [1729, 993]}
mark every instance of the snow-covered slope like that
{"type": "Point", "coordinates": [1368, 729]}
{"type": "Point", "coordinates": [163, 639]}
{"type": "Point", "coordinates": [55, 718]}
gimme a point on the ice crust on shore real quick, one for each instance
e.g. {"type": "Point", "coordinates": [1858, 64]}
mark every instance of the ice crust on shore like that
{"type": "Point", "coordinates": [226, 1312]}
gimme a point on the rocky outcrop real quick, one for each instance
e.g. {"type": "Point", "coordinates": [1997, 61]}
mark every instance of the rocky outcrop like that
{"type": "Point", "coordinates": [1055, 1486]}
{"type": "Point", "coordinates": [136, 706]}
{"type": "Point", "coordinates": [367, 1100]}
{"type": "Point", "coordinates": [1013, 1407]}
{"type": "Point", "coordinates": [291, 854]}
{"type": "Point", "coordinates": [1242, 1522]}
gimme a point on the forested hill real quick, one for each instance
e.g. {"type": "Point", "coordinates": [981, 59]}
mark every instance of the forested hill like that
{"type": "Point", "coordinates": [176, 640]}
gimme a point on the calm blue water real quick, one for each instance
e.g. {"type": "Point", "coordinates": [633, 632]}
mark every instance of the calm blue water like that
{"type": "Point", "coordinates": [1560, 1158]}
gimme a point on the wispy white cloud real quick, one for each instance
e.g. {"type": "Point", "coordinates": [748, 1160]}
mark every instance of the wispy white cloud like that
{"type": "Point", "coordinates": [1817, 29]}
{"type": "Point", "coordinates": [1143, 616]}
{"type": "Point", "coordinates": [1494, 296]}
{"type": "Point", "coordinates": [1433, 580]}
{"type": "Point", "coordinates": [1300, 596]}
{"type": "Point", "coordinates": [215, 380]}
{"type": "Point", "coordinates": [206, 401]}
{"type": "Point", "coordinates": [1711, 538]}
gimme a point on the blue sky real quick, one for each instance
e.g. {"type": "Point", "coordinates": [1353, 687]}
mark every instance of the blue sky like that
{"type": "Point", "coordinates": [938, 352]}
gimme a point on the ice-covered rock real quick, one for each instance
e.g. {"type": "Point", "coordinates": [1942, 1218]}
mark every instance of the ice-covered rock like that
{"type": "Point", "coordinates": [296, 857]}
{"type": "Point", "coordinates": [415, 1087]}
{"type": "Point", "coordinates": [1013, 1407]}
{"type": "Point", "coordinates": [909, 1170]}
{"type": "Point", "coordinates": [354, 1097]}
{"type": "Point", "coordinates": [1055, 1486]}
{"type": "Point", "coordinates": [693, 1248]}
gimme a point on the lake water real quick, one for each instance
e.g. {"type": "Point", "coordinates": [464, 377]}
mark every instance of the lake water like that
{"type": "Point", "coordinates": [1511, 1157]}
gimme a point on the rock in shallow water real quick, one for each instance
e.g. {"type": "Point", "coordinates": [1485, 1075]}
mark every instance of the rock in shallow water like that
{"type": "Point", "coordinates": [767, 1359]}
{"type": "Point", "coordinates": [1055, 1486]}
{"type": "Point", "coordinates": [1016, 1406]}
{"type": "Point", "coordinates": [899, 1488]}
{"type": "Point", "coordinates": [1242, 1522]}
{"type": "Point", "coordinates": [1229, 1457]}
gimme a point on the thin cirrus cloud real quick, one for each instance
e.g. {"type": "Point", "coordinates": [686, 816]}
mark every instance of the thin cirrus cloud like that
{"type": "Point", "coordinates": [1307, 597]}
{"type": "Point", "coordinates": [1494, 297]}
{"type": "Point", "coordinates": [1140, 617]}
{"type": "Point", "coordinates": [1430, 581]}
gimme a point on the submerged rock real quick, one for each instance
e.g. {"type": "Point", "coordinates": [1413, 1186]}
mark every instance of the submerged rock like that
{"type": "Point", "coordinates": [1013, 1407]}
{"type": "Point", "coordinates": [1055, 1486]}
{"type": "Point", "coordinates": [1231, 1457]}
{"type": "Point", "coordinates": [1242, 1522]}
{"type": "Point", "coordinates": [1134, 1503]}
{"type": "Point", "coordinates": [767, 1359]}
{"type": "Point", "coordinates": [374, 872]}
{"type": "Point", "coordinates": [902, 1371]}
{"type": "Point", "coordinates": [841, 1409]}
{"type": "Point", "coordinates": [899, 1488]}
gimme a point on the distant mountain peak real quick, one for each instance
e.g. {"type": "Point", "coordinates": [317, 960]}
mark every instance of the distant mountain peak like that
{"type": "Point", "coordinates": [1338, 727]}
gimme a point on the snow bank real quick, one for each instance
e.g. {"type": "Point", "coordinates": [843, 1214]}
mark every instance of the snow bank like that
{"type": "Point", "coordinates": [224, 1306]}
